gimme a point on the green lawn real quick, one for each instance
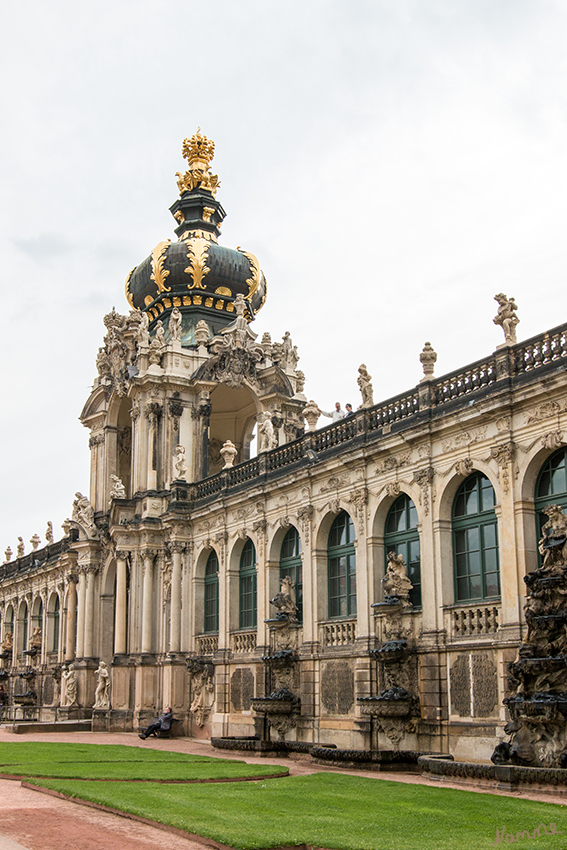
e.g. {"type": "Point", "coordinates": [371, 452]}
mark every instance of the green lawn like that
{"type": "Point", "coordinates": [158, 770]}
{"type": "Point", "coordinates": [29, 752]}
{"type": "Point", "coordinates": [332, 811]}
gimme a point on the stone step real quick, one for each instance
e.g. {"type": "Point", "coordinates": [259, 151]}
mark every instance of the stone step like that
{"type": "Point", "coordinates": [21, 727]}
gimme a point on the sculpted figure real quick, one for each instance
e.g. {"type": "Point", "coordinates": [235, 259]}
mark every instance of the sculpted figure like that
{"type": "Point", "coordinates": [35, 640]}
{"type": "Point", "coordinates": [507, 317]}
{"type": "Point", "coordinates": [8, 642]}
{"type": "Point", "coordinates": [396, 581]}
{"type": "Point", "coordinates": [69, 686]}
{"type": "Point", "coordinates": [266, 436]}
{"type": "Point", "coordinates": [228, 453]}
{"type": "Point", "coordinates": [83, 512]}
{"type": "Point", "coordinates": [364, 382]}
{"type": "Point", "coordinates": [118, 491]}
{"type": "Point", "coordinates": [102, 692]}
{"type": "Point", "coordinates": [8, 554]}
{"type": "Point", "coordinates": [203, 690]}
{"type": "Point", "coordinates": [175, 324]}
{"type": "Point", "coordinates": [179, 463]}
{"type": "Point", "coordinates": [49, 532]}
{"type": "Point", "coordinates": [157, 344]}
{"type": "Point", "coordinates": [144, 330]}
{"type": "Point", "coordinates": [35, 541]}
{"type": "Point", "coordinates": [285, 602]}
{"type": "Point", "coordinates": [21, 547]}
{"type": "Point", "coordinates": [103, 364]}
{"type": "Point", "coordinates": [553, 544]}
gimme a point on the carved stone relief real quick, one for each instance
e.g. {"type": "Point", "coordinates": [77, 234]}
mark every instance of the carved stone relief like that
{"type": "Point", "coordinates": [485, 684]}
{"type": "Point", "coordinates": [460, 680]}
{"type": "Point", "coordinates": [242, 689]}
{"type": "Point", "coordinates": [337, 687]}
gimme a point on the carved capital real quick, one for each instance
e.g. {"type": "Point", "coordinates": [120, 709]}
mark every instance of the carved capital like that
{"type": "Point", "coordinates": [424, 477]}
{"type": "Point", "coordinates": [177, 546]}
{"type": "Point", "coordinates": [260, 526]}
{"type": "Point", "coordinates": [305, 514]}
{"type": "Point", "coordinates": [504, 453]}
{"type": "Point", "coordinates": [72, 578]}
{"type": "Point", "coordinates": [96, 440]}
{"type": "Point", "coordinates": [175, 408]}
{"type": "Point", "coordinates": [121, 554]}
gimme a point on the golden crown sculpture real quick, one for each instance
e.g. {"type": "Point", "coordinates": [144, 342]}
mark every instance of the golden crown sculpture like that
{"type": "Point", "coordinates": [198, 151]}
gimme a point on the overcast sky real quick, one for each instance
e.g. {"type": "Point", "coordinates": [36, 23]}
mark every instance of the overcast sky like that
{"type": "Point", "coordinates": [392, 163]}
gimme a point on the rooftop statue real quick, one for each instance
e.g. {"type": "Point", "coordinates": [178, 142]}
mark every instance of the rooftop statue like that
{"type": "Point", "coordinates": [507, 317]}
{"type": "Point", "coordinates": [364, 381]}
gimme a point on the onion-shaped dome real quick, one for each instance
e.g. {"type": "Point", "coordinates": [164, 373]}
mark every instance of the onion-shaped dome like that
{"type": "Point", "coordinates": [196, 274]}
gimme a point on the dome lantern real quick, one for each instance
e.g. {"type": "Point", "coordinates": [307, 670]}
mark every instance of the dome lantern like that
{"type": "Point", "coordinates": [195, 273]}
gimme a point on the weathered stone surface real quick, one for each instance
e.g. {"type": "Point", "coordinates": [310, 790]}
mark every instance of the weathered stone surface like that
{"type": "Point", "coordinates": [242, 689]}
{"type": "Point", "coordinates": [459, 678]}
{"type": "Point", "coordinates": [337, 687]}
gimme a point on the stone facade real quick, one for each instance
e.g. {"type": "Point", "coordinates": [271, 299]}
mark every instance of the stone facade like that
{"type": "Point", "coordinates": [130, 586]}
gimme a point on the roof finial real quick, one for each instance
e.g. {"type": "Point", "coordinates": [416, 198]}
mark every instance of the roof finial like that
{"type": "Point", "coordinates": [198, 151]}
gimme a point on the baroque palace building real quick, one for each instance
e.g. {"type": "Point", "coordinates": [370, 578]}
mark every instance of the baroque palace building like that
{"type": "Point", "coordinates": [160, 591]}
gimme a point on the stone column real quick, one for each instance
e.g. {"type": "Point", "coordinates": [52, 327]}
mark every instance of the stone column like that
{"type": "Point", "coordinates": [147, 601]}
{"type": "Point", "coordinates": [175, 631]}
{"type": "Point", "coordinates": [120, 604]}
{"type": "Point", "coordinates": [80, 646]}
{"type": "Point", "coordinates": [89, 611]}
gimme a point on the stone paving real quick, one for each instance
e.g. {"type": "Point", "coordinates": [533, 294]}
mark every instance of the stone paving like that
{"type": "Point", "coordinates": [33, 821]}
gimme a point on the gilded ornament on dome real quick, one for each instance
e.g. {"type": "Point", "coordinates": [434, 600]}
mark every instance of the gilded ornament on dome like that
{"type": "Point", "coordinates": [197, 253]}
{"type": "Point", "coordinates": [198, 151]}
{"type": "Point", "coordinates": [159, 274]}
{"type": "Point", "coordinates": [223, 290]}
{"type": "Point", "coordinates": [254, 281]}
{"type": "Point", "coordinates": [129, 297]}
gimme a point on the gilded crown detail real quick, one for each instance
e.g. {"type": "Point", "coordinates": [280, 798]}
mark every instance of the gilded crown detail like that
{"type": "Point", "coordinates": [198, 151]}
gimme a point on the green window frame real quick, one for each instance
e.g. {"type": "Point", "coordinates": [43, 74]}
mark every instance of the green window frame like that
{"type": "Point", "coordinates": [248, 608]}
{"type": "Point", "coordinates": [402, 537]}
{"type": "Point", "coordinates": [211, 600]}
{"type": "Point", "coordinates": [341, 571]}
{"type": "Point", "coordinates": [475, 541]}
{"type": "Point", "coordinates": [291, 565]}
{"type": "Point", "coordinates": [550, 489]}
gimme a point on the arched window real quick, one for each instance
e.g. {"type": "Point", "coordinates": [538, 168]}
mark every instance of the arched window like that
{"type": "Point", "coordinates": [475, 541]}
{"type": "Point", "coordinates": [247, 595]}
{"type": "Point", "coordinates": [55, 643]}
{"type": "Point", "coordinates": [291, 565]}
{"type": "Point", "coordinates": [402, 537]}
{"type": "Point", "coordinates": [342, 567]}
{"type": "Point", "coordinates": [551, 487]}
{"type": "Point", "coordinates": [212, 593]}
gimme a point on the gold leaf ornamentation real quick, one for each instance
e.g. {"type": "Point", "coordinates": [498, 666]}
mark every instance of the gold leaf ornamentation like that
{"type": "Point", "coordinates": [197, 253]}
{"type": "Point", "coordinates": [129, 297]}
{"type": "Point", "coordinates": [158, 274]}
{"type": "Point", "coordinates": [254, 281]}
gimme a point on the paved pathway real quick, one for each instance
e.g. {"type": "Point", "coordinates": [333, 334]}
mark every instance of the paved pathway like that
{"type": "Point", "coordinates": [33, 821]}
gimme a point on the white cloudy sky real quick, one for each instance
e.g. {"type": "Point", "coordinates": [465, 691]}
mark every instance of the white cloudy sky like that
{"type": "Point", "coordinates": [393, 164]}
